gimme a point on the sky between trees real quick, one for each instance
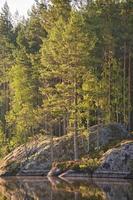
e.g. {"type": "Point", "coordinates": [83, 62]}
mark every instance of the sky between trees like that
{"type": "Point", "coordinates": [21, 6]}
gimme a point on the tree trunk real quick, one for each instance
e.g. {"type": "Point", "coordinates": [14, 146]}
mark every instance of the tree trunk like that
{"type": "Point", "coordinates": [46, 124]}
{"type": "Point", "coordinates": [75, 120]}
{"type": "Point", "coordinates": [129, 92]}
{"type": "Point", "coordinates": [98, 127]}
{"type": "Point", "coordinates": [4, 103]}
{"type": "Point", "coordinates": [25, 146]}
{"type": "Point", "coordinates": [124, 84]}
{"type": "Point", "coordinates": [109, 94]}
{"type": "Point", "coordinates": [60, 127]}
{"type": "Point", "coordinates": [64, 125]}
{"type": "Point", "coordinates": [88, 125]}
{"type": "Point", "coordinates": [52, 145]}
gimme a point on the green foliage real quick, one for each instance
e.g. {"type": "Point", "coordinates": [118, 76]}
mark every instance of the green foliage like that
{"type": "Point", "coordinates": [84, 165]}
{"type": "Point", "coordinates": [21, 118]}
{"type": "Point", "coordinates": [65, 68]}
{"type": "Point", "coordinates": [89, 165]}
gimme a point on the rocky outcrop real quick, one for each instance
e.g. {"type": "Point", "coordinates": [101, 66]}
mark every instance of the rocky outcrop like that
{"type": "Point", "coordinates": [117, 162]}
{"type": "Point", "coordinates": [39, 156]}
{"type": "Point", "coordinates": [102, 135]}
{"type": "Point", "coordinates": [34, 158]}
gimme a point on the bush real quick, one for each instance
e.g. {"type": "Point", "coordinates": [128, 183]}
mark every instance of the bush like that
{"type": "Point", "coordinates": [89, 165]}
{"type": "Point", "coordinates": [84, 165]}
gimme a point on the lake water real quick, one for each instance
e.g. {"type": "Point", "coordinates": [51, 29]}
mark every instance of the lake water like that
{"type": "Point", "coordinates": [34, 188]}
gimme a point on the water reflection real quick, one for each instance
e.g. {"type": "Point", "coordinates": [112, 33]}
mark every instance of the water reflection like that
{"type": "Point", "coordinates": [55, 189]}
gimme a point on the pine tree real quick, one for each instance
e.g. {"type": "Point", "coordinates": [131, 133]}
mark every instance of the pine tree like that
{"type": "Point", "coordinates": [57, 9]}
{"type": "Point", "coordinates": [64, 56]}
{"type": "Point", "coordinates": [21, 118]}
{"type": "Point", "coordinates": [6, 60]}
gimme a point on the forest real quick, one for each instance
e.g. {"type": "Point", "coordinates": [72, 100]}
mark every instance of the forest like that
{"type": "Point", "coordinates": [66, 67]}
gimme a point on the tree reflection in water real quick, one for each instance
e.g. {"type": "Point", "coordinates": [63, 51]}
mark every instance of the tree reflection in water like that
{"type": "Point", "coordinates": [56, 189]}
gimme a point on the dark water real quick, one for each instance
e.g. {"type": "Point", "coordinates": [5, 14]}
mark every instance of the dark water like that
{"type": "Point", "coordinates": [56, 189]}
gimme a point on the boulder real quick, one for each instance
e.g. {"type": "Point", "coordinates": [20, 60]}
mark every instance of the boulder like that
{"type": "Point", "coordinates": [35, 158]}
{"type": "Point", "coordinates": [117, 162]}
{"type": "Point", "coordinates": [39, 156]}
{"type": "Point", "coordinates": [102, 135]}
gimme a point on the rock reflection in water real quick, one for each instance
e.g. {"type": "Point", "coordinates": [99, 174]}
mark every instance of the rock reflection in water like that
{"type": "Point", "coordinates": [56, 189]}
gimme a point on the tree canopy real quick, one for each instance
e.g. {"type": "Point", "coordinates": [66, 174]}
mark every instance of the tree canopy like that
{"type": "Point", "coordinates": [66, 67]}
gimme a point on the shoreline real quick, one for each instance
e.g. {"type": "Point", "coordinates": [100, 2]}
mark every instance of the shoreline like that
{"type": "Point", "coordinates": [75, 176]}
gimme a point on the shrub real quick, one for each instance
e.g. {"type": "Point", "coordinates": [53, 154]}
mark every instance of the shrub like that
{"type": "Point", "coordinates": [84, 165]}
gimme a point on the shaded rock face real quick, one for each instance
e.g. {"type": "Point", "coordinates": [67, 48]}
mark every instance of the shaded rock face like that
{"type": "Point", "coordinates": [39, 151]}
{"type": "Point", "coordinates": [101, 135]}
{"type": "Point", "coordinates": [117, 162]}
{"type": "Point", "coordinates": [39, 156]}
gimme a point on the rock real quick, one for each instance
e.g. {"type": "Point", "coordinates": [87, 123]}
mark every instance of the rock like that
{"type": "Point", "coordinates": [38, 152]}
{"type": "Point", "coordinates": [39, 158]}
{"type": "Point", "coordinates": [54, 172]}
{"type": "Point", "coordinates": [117, 162]}
{"type": "Point", "coordinates": [102, 135]}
